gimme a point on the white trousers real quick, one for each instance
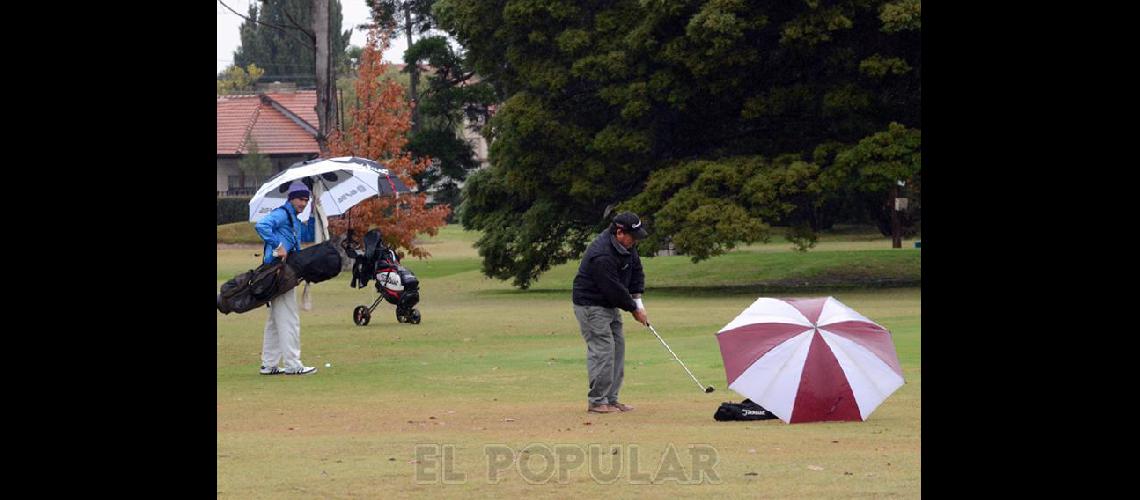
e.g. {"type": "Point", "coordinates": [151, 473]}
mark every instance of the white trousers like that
{"type": "Point", "coordinates": [282, 341]}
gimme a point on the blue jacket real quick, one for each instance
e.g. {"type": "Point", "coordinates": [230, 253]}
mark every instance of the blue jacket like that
{"type": "Point", "coordinates": [275, 229]}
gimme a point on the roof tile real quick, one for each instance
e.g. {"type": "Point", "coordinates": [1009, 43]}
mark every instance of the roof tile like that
{"type": "Point", "coordinates": [274, 132]}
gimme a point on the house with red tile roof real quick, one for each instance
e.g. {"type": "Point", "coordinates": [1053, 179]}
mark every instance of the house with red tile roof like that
{"type": "Point", "coordinates": [282, 121]}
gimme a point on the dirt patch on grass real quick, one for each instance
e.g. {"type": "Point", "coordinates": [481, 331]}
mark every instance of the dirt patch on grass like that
{"type": "Point", "coordinates": [238, 246]}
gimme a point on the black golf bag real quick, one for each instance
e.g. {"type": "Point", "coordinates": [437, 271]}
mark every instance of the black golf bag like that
{"type": "Point", "coordinates": [256, 287]}
{"type": "Point", "coordinates": [320, 262]}
{"type": "Point", "coordinates": [395, 283]}
{"type": "Point", "coordinates": [744, 410]}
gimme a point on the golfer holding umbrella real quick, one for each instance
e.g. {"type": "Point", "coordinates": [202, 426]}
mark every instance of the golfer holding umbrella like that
{"type": "Point", "coordinates": [282, 336]}
{"type": "Point", "coordinates": [609, 278]}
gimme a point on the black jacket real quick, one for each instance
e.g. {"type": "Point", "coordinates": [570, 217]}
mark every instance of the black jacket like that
{"type": "Point", "coordinates": [608, 274]}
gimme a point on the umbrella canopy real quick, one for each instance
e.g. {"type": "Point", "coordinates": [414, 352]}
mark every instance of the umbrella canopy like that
{"type": "Point", "coordinates": [809, 360]}
{"type": "Point", "coordinates": [339, 183]}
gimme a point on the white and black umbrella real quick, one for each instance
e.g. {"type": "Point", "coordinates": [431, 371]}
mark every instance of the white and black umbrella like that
{"type": "Point", "coordinates": [339, 184]}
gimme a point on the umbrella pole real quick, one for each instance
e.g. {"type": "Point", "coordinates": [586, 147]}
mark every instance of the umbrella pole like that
{"type": "Point", "coordinates": [703, 388]}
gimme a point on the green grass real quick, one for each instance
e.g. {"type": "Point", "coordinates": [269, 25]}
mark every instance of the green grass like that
{"type": "Point", "coordinates": [495, 365]}
{"type": "Point", "coordinates": [238, 233]}
{"type": "Point", "coordinates": [759, 270]}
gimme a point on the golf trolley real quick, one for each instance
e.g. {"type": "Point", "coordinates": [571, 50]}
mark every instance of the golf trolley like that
{"type": "Point", "coordinates": [395, 283]}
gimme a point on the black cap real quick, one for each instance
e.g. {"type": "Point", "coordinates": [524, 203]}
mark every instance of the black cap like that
{"type": "Point", "coordinates": [631, 224]}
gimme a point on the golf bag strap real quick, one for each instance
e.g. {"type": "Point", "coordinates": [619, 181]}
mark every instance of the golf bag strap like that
{"type": "Point", "coordinates": [289, 217]}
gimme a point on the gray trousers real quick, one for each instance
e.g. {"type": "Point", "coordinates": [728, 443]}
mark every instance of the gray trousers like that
{"type": "Point", "coordinates": [282, 340]}
{"type": "Point", "coordinates": [605, 351]}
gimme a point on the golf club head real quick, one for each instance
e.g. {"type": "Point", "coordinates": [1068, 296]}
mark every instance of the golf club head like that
{"type": "Point", "coordinates": [709, 389]}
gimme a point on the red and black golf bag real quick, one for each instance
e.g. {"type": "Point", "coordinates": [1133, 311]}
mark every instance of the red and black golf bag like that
{"type": "Point", "coordinates": [396, 284]}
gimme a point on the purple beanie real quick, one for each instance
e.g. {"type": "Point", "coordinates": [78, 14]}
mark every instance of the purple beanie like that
{"type": "Point", "coordinates": [298, 189]}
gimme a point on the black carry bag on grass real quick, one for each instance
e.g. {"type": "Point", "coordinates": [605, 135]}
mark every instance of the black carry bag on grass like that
{"type": "Point", "coordinates": [317, 263]}
{"type": "Point", "coordinates": [744, 410]}
{"type": "Point", "coordinates": [254, 288]}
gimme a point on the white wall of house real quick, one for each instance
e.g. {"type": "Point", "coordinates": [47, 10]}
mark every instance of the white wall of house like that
{"type": "Point", "coordinates": [283, 162]}
{"type": "Point", "coordinates": [478, 143]}
{"type": "Point", "coordinates": [228, 167]}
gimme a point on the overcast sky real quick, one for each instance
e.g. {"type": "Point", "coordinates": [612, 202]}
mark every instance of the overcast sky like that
{"type": "Point", "coordinates": [354, 12]}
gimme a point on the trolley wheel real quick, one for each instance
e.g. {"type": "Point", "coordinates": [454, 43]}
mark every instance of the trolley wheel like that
{"type": "Point", "coordinates": [415, 317]}
{"type": "Point", "coordinates": [361, 316]}
{"type": "Point", "coordinates": [400, 316]}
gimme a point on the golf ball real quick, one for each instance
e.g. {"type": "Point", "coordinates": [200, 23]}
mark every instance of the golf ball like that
{"type": "Point", "coordinates": [328, 365]}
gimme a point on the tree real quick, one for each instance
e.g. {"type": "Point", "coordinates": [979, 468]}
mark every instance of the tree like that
{"type": "Point", "coordinates": [278, 36]}
{"type": "Point", "coordinates": [453, 101]}
{"type": "Point", "coordinates": [351, 60]}
{"type": "Point", "coordinates": [235, 79]}
{"type": "Point", "coordinates": [253, 163]}
{"type": "Point", "coordinates": [875, 166]}
{"type": "Point", "coordinates": [453, 93]}
{"type": "Point", "coordinates": [380, 123]}
{"type": "Point", "coordinates": [705, 207]}
{"type": "Point", "coordinates": [600, 97]}
{"type": "Point", "coordinates": [346, 86]}
{"type": "Point", "coordinates": [410, 17]}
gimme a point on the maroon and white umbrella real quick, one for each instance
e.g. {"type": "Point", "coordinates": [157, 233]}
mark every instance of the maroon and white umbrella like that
{"type": "Point", "coordinates": [809, 360]}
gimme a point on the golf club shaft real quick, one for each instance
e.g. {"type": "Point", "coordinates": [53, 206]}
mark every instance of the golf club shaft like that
{"type": "Point", "coordinates": [675, 356]}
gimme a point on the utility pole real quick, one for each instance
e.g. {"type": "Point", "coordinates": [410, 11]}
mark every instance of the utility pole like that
{"type": "Point", "coordinates": [413, 96]}
{"type": "Point", "coordinates": [326, 103]}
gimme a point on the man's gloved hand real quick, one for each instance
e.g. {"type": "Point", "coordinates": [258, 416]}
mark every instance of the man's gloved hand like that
{"type": "Point", "coordinates": [641, 316]}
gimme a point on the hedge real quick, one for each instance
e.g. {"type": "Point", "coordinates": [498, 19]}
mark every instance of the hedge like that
{"type": "Point", "coordinates": [232, 210]}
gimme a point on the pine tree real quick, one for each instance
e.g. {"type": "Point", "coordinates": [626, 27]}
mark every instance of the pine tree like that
{"type": "Point", "coordinates": [254, 164]}
{"type": "Point", "coordinates": [278, 37]}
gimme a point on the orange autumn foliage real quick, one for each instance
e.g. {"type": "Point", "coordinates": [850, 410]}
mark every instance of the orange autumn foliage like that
{"type": "Point", "coordinates": [380, 123]}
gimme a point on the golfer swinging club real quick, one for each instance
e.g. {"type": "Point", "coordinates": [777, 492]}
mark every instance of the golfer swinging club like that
{"type": "Point", "coordinates": [609, 278]}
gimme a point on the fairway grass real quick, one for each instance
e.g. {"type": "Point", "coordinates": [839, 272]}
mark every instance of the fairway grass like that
{"type": "Point", "coordinates": [491, 366]}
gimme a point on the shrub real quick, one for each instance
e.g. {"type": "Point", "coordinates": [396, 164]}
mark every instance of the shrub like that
{"type": "Point", "coordinates": [232, 210]}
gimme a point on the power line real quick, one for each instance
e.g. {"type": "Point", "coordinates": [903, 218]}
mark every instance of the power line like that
{"type": "Point", "coordinates": [278, 64]}
{"type": "Point", "coordinates": [284, 29]}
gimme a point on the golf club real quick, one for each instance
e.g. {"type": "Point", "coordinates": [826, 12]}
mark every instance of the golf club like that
{"type": "Point", "coordinates": [706, 389]}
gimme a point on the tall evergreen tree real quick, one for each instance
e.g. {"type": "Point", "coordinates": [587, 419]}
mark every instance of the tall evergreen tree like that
{"type": "Point", "coordinates": [410, 18]}
{"type": "Point", "coordinates": [728, 109]}
{"type": "Point", "coordinates": [277, 36]}
{"type": "Point", "coordinates": [454, 102]}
